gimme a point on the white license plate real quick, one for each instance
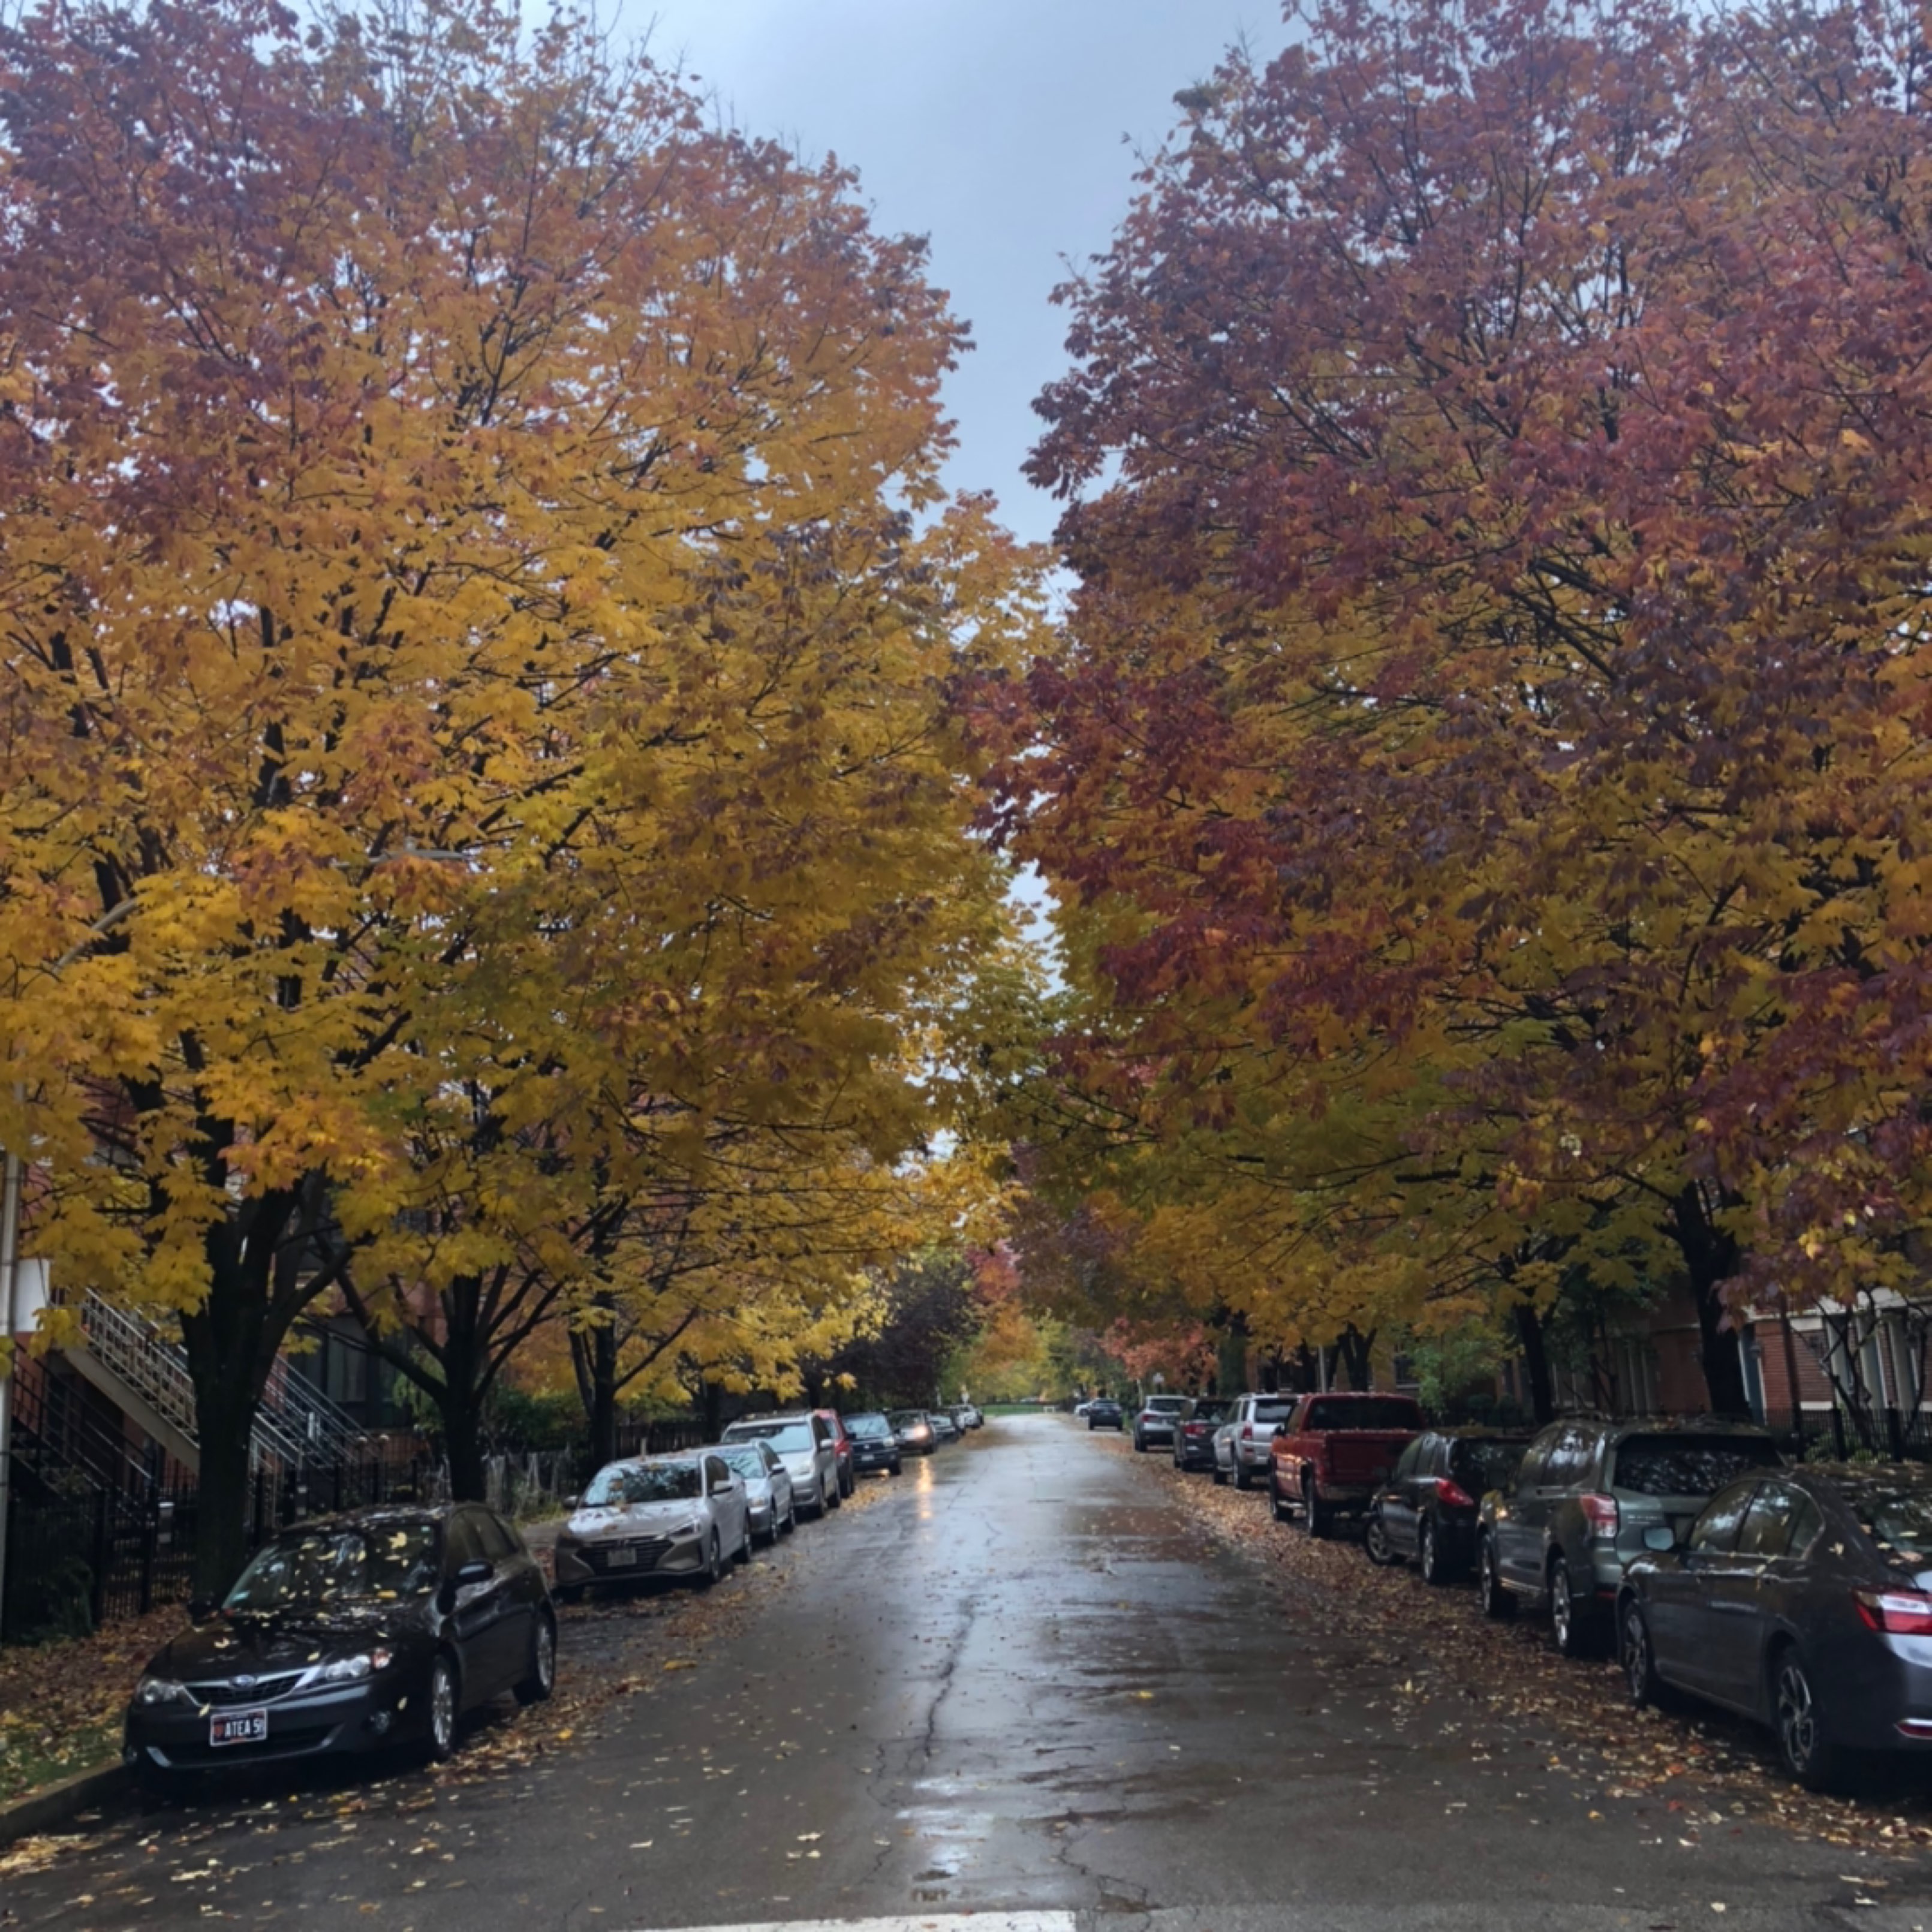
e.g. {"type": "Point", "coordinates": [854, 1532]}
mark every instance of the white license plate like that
{"type": "Point", "coordinates": [620, 1559]}
{"type": "Point", "coordinates": [237, 1727]}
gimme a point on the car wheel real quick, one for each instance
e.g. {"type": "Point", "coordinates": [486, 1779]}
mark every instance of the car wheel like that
{"type": "Point", "coordinates": [1375, 1542]}
{"type": "Point", "coordinates": [568, 1593]}
{"type": "Point", "coordinates": [896, 1466]}
{"type": "Point", "coordinates": [1496, 1601]}
{"type": "Point", "coordinates": [791, 1516]}
{"type": "Point", "coordinates": [1808, 1753]}
{"type": "Point", "coordinates": [443, 1705]}
{"type": "Point", "coordinates": [1572, 1628]}
{"type": "Point", "coordinates": [1220, 1475]}
{"type": "Point", "coordinates": [1277, 1503]}
{"type": "Point", "coordinates": [1314, 1516]}
{"type": "Point", "coordinates": [1244, 1476]}
{"type": "Point", "coordinates": [714, 1568]}
{"type": "Point", "coordinates": [1429, 1554]}
{"type": "Point", "coordinates": [1647, 1690]}
{"type": "Point", "coordinates": [837, 1496]}
{"type": "Point", "coordinates": [540, 1679]}
{"type": "Point", "coordinates": [1140, 1443]}
{"type": "Point", "coordinates": [744, 1554]}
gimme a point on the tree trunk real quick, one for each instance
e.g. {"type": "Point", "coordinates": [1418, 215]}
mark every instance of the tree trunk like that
{"type": "Point", "coordinates": [593, 1355]}
{"type": "Point", "coordinates": [1535, 1361]}
{"type": "Point", "coordinates": [1710, 1259]}
{"type": "Point", "coordinates": [459, 1396]}
{"type": "Point", "coordinates": [1231, 1358]}
{"type": "Point", "coordinates": [1352, 1351]}
{"type": "Point", "coordinates": [231, 1341]}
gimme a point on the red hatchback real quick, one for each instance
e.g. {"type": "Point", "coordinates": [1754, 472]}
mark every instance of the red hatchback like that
{"type": "Point", "coordinates": [842, 1448]}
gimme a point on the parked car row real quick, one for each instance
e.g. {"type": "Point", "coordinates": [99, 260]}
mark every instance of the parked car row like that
{"type": "Point", "coordinates": [380, 1628]}
{"type": "Point", "coordinates": [1798, 1596]}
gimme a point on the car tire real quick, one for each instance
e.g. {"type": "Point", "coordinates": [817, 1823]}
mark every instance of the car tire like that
{"type": "Point", "coordinates": [1429, 1557]}
{"type": "Point", "coordinates": [1572, 1628]}
{"type": "Point", "coordinates": [713, 1571]}
{"type": "Point", "coordinates": [1277, 1503]}
{"type": "Point", "coordinates": [1244, 1476]}
{"type": "Point", "coordinates": [837, 1495]}
{"type": "Point", "coordinates": [446, 1703]}
{"type": "Point", "coordinates": [1140, 1444]}
{"type": "Point", "coordinates": [743, 1554]}
{"type": "Point", "coordinates": [1376, 1544]}
{"type": "Point", "coordinates": [1316, 1516]}
{"type": "Point", "coordinates": [791, 1514]}
{"type": "Point", "coordinates": [1637, 1656]}
{"type": "Point", "coordinates": [568, 1593]}
{"type": "Point", "coordinates": [541, 1678]}
{"type": "Point", "coordinates": [1804, 1742]}
{"type": "Point", "coordinates": [896, 1466]}
{"type": "Point", "coordinates": [1220, 1475]}
{"type": "Point", "coordinates": [1498, 1603]}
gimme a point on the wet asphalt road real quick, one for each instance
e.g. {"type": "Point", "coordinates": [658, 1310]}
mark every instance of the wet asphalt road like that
{"type": "Point", "coordinates": [1023, 1679]}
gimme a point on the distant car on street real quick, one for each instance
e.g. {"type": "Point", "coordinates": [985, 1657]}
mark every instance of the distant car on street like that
{"type": "Point", "coordinates": [768, 1492]}
{"type": "Point", "coordinates": [1104, 1412]}
{"type": "Point", "coordinates": [349, 1634]}
{"type": "Point", "coordinates": [944, 1429]}
{"type": "Point", "coordinates": [971, 1416]}
{"type": "Point", "coordinates": [685, 1515]}
{"type": "Point", "coordinates": [1241, 1452]}
{"type": "Point", "coordinates": [1586, 1496]}
{"type": "Point", "coordinates": [874, 1444]}
{"type": "Point", "coordinates": [1194, 1431]}
{"type": "Point", "coordinates": [803, 1443]}
{"type": "Point", "coordinates": [1427, 1511]}
{"type": "Point", "coordinates": [1802, 1599]}
{"type": "Point", "coordinates": [1155, 1421]}
{"type": "Point", "coordinates": [914, 1429]}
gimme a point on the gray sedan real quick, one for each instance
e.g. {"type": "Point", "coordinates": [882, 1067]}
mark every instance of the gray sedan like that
{"type": "Point", "coordinates": [1801, 1598]}
{"type": "Point", "coordinates": [767, 1489]}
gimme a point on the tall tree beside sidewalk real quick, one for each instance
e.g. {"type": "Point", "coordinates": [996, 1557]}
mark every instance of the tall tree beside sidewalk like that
{"type": "Point", "coordinates": [1489, 759]}
{"type": "Point", "coordinates": [469, 653]}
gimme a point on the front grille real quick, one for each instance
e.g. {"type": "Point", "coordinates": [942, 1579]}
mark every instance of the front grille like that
{"type": "Point", "coordinates": [262, 1690]}
{"type": "Point", "coordinates": [649, 1549]}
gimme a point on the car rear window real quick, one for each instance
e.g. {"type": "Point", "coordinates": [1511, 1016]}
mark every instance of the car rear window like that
{"type": "Point", "coordinates": [1275, 1412]}
{"type": "Point", "coordinates": [1480, 1465]}
{"type": "Point", "coordinates": [1898, 1520]}
{"type": "Point", "coordinates": [1348, 1412]}
{"type": "Point", "coordinates": [1167, 1405]}
{"type": "Point", "coordinates": [1209, 1412]}
{"type": "Point", "coordinates": [1689, 1465]}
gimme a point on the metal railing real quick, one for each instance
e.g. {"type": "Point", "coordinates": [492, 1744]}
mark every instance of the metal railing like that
{"type": "Point", "coordinates": [294, 1423]}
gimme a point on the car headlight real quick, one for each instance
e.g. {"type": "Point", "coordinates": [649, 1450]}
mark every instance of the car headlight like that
{"type": "Point", "coordinates": [686, 1529]}
{"type": "Point", "coordinates": [353, 1669]}
{"type": "Point", "coordinates": [153, 1690]}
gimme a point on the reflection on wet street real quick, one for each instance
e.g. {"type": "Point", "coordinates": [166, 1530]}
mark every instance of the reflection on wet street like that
{"type": "Point", "coordinates": [1023, 1675]}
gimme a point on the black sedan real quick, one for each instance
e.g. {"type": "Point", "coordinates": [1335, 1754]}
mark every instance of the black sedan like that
{"type": "Point", "coordinates": [1194, 1433]}
{"type": "Point", "coordinates": [350, 1633]}
{"type": "Point", "coordinates": [1426, 1510]}
{"type": "Point", "coordinates": [1103, 1412]}
{"type": "Point", "coordinates": [1801, 1598]}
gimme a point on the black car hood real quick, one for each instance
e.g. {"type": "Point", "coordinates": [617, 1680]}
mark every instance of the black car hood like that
{"type": "Point", "coordinates": [259, 1645]}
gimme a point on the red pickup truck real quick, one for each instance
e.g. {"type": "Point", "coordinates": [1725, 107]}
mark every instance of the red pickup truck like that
{"type": "Point", "coordinates": [1332, 1454]}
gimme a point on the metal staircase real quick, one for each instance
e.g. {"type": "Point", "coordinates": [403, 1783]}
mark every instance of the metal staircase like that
{"type": "Point", "coordinates": [130, 1360]}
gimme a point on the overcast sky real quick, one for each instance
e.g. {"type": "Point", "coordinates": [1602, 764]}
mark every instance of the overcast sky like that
{"type": "Point", "coordinates": [993, 126]}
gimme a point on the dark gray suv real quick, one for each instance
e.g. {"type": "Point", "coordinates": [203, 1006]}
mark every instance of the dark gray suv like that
{"type": "Point", "coordinates": [1562, 1535]}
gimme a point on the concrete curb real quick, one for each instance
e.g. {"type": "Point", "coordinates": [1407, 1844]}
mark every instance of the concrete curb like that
{"type": "Point", "coordinates": [53, 1804]}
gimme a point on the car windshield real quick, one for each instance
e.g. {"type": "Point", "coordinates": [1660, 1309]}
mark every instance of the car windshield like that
{"type": "Point", "coordinates": [624, 1483]}
{"type": "Point", "coordinates": [1898, 1519]}
{"type": "Point", "coordinates": [783, 1436]}
{"type": "Point", "coordinates": [1481, 1465]}
{"type": "Point", "coordinates": [1357, 1411]}
{"type": "Point", "coordinates": [1689, 1465]}
{"type": "Point", "coordinates": [328, 1566]}
{"type": "Point", "coordinates": [868, 1425]}
{"type": "Point", "coordinates": [747, 1461]}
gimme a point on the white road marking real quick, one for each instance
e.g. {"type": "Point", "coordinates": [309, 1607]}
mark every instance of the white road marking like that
{"type": "Point", "coordinates": [920, 1921]}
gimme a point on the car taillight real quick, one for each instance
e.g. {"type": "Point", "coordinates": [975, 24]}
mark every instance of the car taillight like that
{"type": "Point", "coordinates": [1600, 1513]}
{"type": "Point", "coordinates": [1247, 1432]}
{"type": "Point", "coordinates": [1897, 1612]}
{"type": "Point", "coordinates": [1453, 1493]}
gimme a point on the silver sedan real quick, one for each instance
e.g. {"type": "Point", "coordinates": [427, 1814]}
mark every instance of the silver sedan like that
{"type": "Point", "coordinates": [768, 1489]}
{"type": "Point", "coordinates": [655, 1516]}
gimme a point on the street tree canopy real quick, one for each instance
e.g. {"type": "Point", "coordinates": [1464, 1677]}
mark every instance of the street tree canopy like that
{"type": "Point", "coordinates": [479, 608]}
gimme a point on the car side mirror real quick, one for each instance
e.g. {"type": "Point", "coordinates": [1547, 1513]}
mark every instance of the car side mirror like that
{"type": "Point", "coordinates": [571, 1502]}
{"type": "Point", "coordinates": [476, 1570]}
{"type": "Point", "coordinates": [1659, 1537]}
